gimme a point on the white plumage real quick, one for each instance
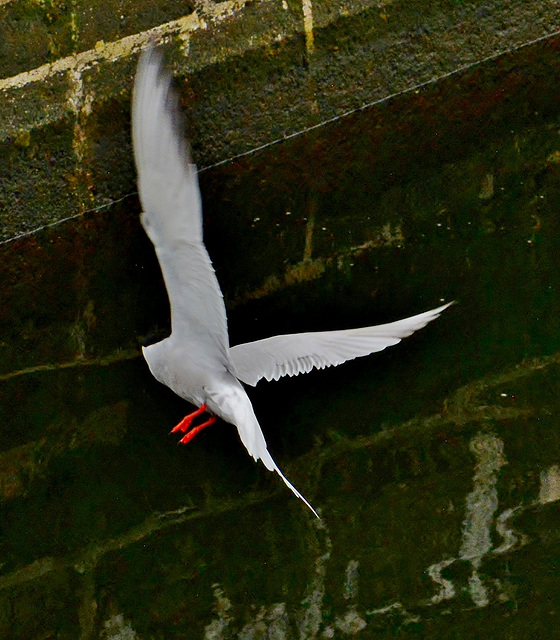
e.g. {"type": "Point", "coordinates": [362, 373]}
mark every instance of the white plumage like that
{"type": "Point", "coordinates": [195, 361]}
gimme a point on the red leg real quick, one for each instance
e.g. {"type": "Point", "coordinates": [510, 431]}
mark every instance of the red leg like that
{"type": "Point", "coordinates": [186, 421]}
{"type": "Point", "coordinates": [192, 433]}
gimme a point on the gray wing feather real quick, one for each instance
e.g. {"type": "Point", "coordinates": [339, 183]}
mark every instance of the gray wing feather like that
{"type": "Point", "coordinates": [172, 211]}
{"type": "Point", "coordinates": [167, 179]}
{"type": "Point", "coordinates": [290, 355]}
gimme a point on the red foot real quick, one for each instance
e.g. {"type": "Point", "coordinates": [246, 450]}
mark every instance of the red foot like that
{"type": "Point", "coordinates": [186, 423]}
{"type": "Point", "coordinates": [192, 433]}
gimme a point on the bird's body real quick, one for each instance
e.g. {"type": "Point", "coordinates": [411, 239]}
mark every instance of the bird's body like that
{"type": "Point", "coordinates": [196, 361]}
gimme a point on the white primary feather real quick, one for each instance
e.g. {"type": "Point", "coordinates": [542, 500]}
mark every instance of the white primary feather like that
{"type": "Point", "coordinates": [292, 354]}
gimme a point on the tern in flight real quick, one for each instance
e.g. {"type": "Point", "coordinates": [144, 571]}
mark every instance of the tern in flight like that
{"type": "Point", "coordinates": [196, 361]}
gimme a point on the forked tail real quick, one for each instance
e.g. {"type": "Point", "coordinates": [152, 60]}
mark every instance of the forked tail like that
{"type": "Point", "coordinates": [253, 438]}
{"type": "Point", "coordinates": [272, 466]}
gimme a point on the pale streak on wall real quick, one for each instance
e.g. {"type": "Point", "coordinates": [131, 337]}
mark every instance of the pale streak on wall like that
{"type": "Point", "coordinates": [308, 25]}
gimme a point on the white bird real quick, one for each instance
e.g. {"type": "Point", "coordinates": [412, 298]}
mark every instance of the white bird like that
{"type": "Point", "coordinates": [196, 361]}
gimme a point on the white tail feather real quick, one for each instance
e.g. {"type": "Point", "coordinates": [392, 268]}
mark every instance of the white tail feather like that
{"type": "Point", "coordinates": [252, 437]}
{"type": "Point", "coordinates": [274, 467]}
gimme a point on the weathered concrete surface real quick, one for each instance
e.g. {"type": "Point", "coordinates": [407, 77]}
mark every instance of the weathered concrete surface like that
{"type": "Point", "coordinates": [253, 72]}
{"type": "Point", "coordinates": [436, 464]}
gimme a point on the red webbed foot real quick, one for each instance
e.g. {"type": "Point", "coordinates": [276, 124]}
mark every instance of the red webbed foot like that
{"type": "Point", "coordinates": [186, 422]}
{"type": "Point", "coordinates": [192, 433]}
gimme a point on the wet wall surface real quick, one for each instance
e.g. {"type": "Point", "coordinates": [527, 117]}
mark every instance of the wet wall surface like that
{"type": "Point", "coordinates": [435, 465]}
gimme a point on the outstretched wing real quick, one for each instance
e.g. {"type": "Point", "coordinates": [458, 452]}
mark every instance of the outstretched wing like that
{"type": "Point", "coordinates": [290, 355]}
{"type": "Point", "coordinates": [172, 212]}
